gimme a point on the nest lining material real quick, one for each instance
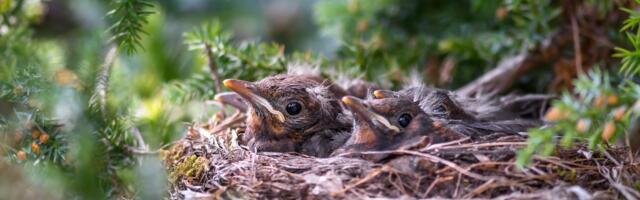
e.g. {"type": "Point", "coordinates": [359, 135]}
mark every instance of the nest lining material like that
{"type": "Point", "coordinates": [210, 164]}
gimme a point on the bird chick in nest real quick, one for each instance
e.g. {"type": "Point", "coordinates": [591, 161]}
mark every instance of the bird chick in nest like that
{"type": "Point", "coordinates": [388, 124]}
{"type": "Point", "coordinates": [293, 113]}
{"type": "Point", "coordinates": [473, 118]}
{"type": "Point", "coordinates": [444, 104]}
{"type": "Point", "coordinates": [343, 86]}
{"type": "Point", "coordinates": [398, 123]}
{"type": "Point", "coordinates": [437, 103]}
{"type": "Point", "coordinates": [357, 88]}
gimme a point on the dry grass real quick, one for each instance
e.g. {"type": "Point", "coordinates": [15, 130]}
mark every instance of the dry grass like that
{"type": "Point", "coordinates": [458, 169]}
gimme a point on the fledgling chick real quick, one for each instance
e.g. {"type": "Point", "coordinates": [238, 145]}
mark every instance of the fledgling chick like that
{"type": "Point", "coordinates": [435, 102]}
{"type": "Point", "coordinates": [388, 124]}
{"type": "Point", "coordinates": [344, 86]}
{"type": "Point", "coordinates": [447, 105]}
{"type": "Point", "coordinates": [443, 108]}
{"type": "Point", "coordinates": [448, 112]}
{"type": "Point", "coordinates": [392, 123]}
{"type": "Point", "coordinates": [293, 113]}
{"type": "Point", "coordinates": [360, 88]}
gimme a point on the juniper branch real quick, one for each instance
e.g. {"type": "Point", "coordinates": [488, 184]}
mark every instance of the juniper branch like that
{"type": "Point", "coordinates": [130, 16]}
{"type": "Point", "coordinates": [99, 97]}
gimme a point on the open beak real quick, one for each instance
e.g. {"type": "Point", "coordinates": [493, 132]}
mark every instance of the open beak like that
{"type": "Point", "coordinates": [247, 91]}
{"type": "Point", "coordinates": [381, 94]}
{"type": "Point", "coordinates": [362, 111]}
{"type": "Point", "coordinates": [233, 99]}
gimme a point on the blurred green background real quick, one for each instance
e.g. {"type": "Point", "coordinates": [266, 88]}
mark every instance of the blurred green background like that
{"type": "Point", "coordinates": [93, 75]}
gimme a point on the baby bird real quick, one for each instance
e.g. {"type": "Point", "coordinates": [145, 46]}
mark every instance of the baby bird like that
{"type": "Point", "coordinates": [293, 113]}
{"type": "Point", "coordinates": [447, 105]}
{"type": "Point", "coordinates": [387, 124]}
{"type": "Point", "coordinates": [392, 123]}
{"type": "Point", "coordinates": [357, 88]}
{"type": "Point", "coordinates": [435, 102]}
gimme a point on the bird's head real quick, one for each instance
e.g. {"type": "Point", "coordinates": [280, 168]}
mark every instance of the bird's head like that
{"type": "Point", "coordinates": [285, 110]}
{"type": "Point", "coordinates": [385, 124]}
{"type": "Point", "coordinates": [439, 104]}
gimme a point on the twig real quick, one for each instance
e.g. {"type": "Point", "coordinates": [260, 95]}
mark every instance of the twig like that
{"type": "Point", "coordinates": [400, 186]}
{"type": "Point", "coordinates": [455, 192]}
{"type": "Point", "coordinates": [510, 69]}
{"type": "Point", "coordinates": [490, 163]}
{"type": "Point", "coordinates": [148, 152]}
{"type": "Point", "coordinates": [437, 159]}
{"type": "Point", "coordinates": [440, 145]}
{"type": "Point", "coordinates": [610, 157]}
{"type": "Point", "coordinates": [213, 67]}
{"type": "Point", "coordinates": [491, 144]}
{"type": "Point", "coordinates": [480, 189]}
{"type": "Point", "coordinates": [624, 190]}
{"type": "Point", "coordinates": [434, 183]}
{"type": "Point", "coordinates": [361, 181]}
{"type": "Point", "coordinates": [234, 119]}
{"type": "Point", "coordinates": [141, 144]}
{"type": "Point", "coordinates": [432, 158]}
{"type": "Point", "coordinates": [553, 162]}
{"type": "Point", "coordinates": [576, 44]}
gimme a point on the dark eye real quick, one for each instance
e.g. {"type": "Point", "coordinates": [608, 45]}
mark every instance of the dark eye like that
{"type": "Point", "coordinates": [404, 120]}
{"type": "Point", "coordinates": [294, 108]}
{"type": "Point", "coordinates": [440, 109]}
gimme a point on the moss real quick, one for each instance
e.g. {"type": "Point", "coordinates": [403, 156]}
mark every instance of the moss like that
{"type": "Point", "coordinates": [191, 167]}
{"type": "Point", "coordinates": [567, 175]}
{"type": "Point", "coordinates": [175, 153]}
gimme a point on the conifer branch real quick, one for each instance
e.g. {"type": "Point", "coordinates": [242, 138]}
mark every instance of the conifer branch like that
{"type": "Point", "coordinates": [99, 97]}
{"type": "Point", "coordinates": [130, 16]}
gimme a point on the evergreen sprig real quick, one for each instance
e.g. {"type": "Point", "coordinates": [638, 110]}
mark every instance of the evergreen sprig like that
{"type": "Point", "coordinates": [130, 17]}
{"type": "Point", "coordinates": [533, 20]}
{"type": "Point", "coordinates": [599, 110]}
{"type": "Point", "coordinates": [596, 112]}
{"type": "Point", "coordinates": [630, 57]}
{"type": "Point", "coordinates": [245, 60]}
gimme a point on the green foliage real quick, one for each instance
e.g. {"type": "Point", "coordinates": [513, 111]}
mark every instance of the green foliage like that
{"type": "Point", "coordinates": [129, 16]}
{"type": "Point", "coordinates": [630, 57]}
{"type": "Point", "coordinates": [47, 121]}
{"type": "Point", "coordinates": [79, 142]}
{"type": "Point", "coordinates": [599, 113]}
{"type": "Point", "coordinates": [246, 61]}
{"type": "Point", "coordinates": [92, 111]}
{"type": "Point", "coordinates": [533, 19]}
{"type": "Point", "coordinates": [390, 39]}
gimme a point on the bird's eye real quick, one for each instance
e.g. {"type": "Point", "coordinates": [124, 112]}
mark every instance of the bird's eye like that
{"type": "Point", "coordinates": [404, 120]}
{"type": "Point", "coordinates": [440, 109]}
{"type": "Point", "coordinates": [294, 108]}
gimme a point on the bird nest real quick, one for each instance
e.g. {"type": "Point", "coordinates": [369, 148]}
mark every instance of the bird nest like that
{"type": "Point", "coordinates": [209, 163]}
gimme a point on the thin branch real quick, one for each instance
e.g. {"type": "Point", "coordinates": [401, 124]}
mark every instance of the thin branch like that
{"type": "Point", "coordinates": [141, 144]}
{"type": "Point", "coordinates": [150, 152]}
{"type": "Point", "coordinates": [361, 181]}
{"type": "Point", "coordinates": [510, 69]}
{"type": "Point", "coordinates": [228, 122]}
{"type": "Point", "coordinates": [576, 44]}
{"type": "Point", "coordinates": [213, 67]}
{"type": "Point", "coordinates": [434, 159]}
